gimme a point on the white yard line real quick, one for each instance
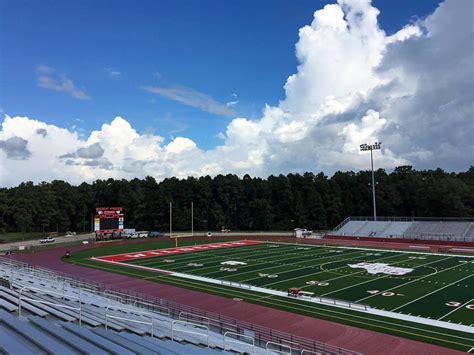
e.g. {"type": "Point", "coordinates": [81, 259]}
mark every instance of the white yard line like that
{"type": "Point", "coordinates": [189, 257]}
{"type": "Point", "coordinates": [439, 289]}
{"type": "Point", "coordinates": [330, 255]}
{"type": "Point", "coordinates": [239, 255]}
{"type": "Point", "coordinates": [278, 263]}
{"type": "Point", "coordinates": [409, 282]}
{"type": "Point", "coordinates": [456, 309]}
{"type": "Point", "coordinates": [381, 277]}
{"type": "Point", "coordinates": [322, 270]}
{"type": "Point", "coordinates": [381, 249]}
{"type": "Point", "coordinates": [317, 300]}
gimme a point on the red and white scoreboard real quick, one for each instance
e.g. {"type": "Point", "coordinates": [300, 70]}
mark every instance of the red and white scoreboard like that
{"type": "Point", "coordinates": [108, 219]}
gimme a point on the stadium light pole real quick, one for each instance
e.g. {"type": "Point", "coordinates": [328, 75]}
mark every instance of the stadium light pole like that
{"type": "Point", "coordinates": [192, 218]}
{"type": "Point", "coordinates": [363, 148]}
{"type": "Point", "coordinates": [171, 218]}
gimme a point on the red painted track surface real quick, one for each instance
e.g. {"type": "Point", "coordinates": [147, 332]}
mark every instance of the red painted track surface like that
{"type": "Point", "coordinates": [365, 341]}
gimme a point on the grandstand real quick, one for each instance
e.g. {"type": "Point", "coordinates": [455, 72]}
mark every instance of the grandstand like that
{"type": "Point", "coordinates": [42, 311]}
{"type": "Point", "coordinates": [451, 230]}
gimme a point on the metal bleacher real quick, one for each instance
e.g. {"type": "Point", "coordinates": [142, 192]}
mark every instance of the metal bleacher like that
{"type": "Point", "coordinates": [407, 228]}
{"type": "Point", "coordinates": [43, 312]}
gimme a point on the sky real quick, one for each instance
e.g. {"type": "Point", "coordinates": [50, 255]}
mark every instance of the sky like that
{"type": "Point", "coordinates": [124, 89]}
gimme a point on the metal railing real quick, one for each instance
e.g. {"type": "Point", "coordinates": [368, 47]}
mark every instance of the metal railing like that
{"type": "Point", "coordinates": [336, 302]}
{"type": "Point", "coordinates": [217, 322]}
{"type": "Point", "coordinates": [229, 340]}
{"type": "Point", "coordinates": [107, 316]}
{"type": "Point", "coordinates": [407, 219]}
{"type": "Point", "coordinates": [290, 346]}
{"type": "Point", "coordinates": [60, 305]}
{"type": "Point", "coordinates": [194, 325]}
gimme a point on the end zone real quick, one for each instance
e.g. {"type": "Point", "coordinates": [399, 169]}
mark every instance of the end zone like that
{"type": "Point", "coordinates": [173, 251]}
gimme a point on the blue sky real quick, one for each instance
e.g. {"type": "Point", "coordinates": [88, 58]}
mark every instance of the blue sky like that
{"type": "Point", "coordinates": [125, 89]}
{"type": "Point", "coordinates": [219, 48]}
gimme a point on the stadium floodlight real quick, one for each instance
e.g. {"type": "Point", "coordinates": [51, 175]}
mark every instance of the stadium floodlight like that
{"type": "Point", "coordinates": [363, 148]}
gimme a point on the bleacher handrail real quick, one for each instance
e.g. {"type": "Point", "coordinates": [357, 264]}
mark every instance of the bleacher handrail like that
{"type": "Point", "coordinates": [342, 224]}
{"type": "Point", "coordinates": [240, 342]}
{"type": "Point", "coordinates": [182, 322]}
{"type": "Point", "coordinates": [280, 345]}
{"type": "Point", "coordinates": [107, 316]}
{"type": "Point", "coordinates": [164, 311]}
{"type": "Point", "coordinates": [60, 305]}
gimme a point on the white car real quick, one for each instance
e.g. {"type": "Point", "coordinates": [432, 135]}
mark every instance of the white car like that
{"type": "Point", "coordinates": [47, 240]}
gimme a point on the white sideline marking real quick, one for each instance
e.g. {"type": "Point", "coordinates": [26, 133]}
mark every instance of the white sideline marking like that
{"type": "Point", "coordinates": [374, 311]}
{"type": "Point", "coordinates": [439, 289]}
{"type": "Point", "coordinates": [388, 314]}
{"type": "Point", "coordinates": [379, 250]}
{"type": "Point", "coordinates": [456, 309]}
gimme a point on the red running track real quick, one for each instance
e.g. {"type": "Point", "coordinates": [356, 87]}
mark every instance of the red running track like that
{"type": "Point", "coordinates": [361, 340]}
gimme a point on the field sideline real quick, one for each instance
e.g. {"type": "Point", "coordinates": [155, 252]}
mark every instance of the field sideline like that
{"type": "Point", "coordinates": [429, 286]}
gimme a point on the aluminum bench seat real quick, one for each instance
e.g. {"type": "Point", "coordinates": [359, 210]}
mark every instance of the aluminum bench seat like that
{"type": "Point", "coordinates": [10, 307]}
{"type": "Point", "coordinates": [172, 346]}
{"type": "Point", "coordinates": [46, 308]}
{"type": "Point", "coordinates": [67, 337]}
{"type": "Point", "coordinates": [27, 306]}
{"type": "Point", "coordinates": [114, 337]}
{"type": "Point", "coordinates": [87, 318]}
{"type": "Point", "coordinates": [90, 336]}
{"type": "Point", "coordinates": [146, 341]}
{"type": "Point", "coordinates": [39, 338]}
{"type": "Point", "coordinates": [13, 343]}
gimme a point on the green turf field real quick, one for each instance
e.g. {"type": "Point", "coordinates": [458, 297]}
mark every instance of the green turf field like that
{"type": "Point", "coordinates": [431, 287]}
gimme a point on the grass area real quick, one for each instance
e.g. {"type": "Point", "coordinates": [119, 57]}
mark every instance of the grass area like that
{"type": "Point", "coordinates": [18, 236]}
{"type": "Point", "coordinates": [436, 287]}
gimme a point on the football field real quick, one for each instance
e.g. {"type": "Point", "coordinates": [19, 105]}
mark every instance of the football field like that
{"type": "Point", "coordinates": [426, 296]}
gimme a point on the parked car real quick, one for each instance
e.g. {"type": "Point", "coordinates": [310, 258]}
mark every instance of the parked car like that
{"type": "Point", "coordinates": [154, 234]}
{"type": "Point", "coordinates": [135, 235]}
{"type": "Point", "coordinates": [47, 240]}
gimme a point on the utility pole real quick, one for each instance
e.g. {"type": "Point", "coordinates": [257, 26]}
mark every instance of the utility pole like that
{"type": "Point", "coordinates": [192, 218]}
{"type": "Point", "coordinates": [171, 219]}
{"type": "Point", "coordinates": [365, 147]}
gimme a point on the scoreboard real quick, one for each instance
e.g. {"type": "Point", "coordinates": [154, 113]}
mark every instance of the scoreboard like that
{"type": "Point", "coordinates": [108, 219]}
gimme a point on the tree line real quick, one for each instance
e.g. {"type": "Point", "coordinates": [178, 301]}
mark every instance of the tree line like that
{"type": "Point", "coordinates": [313, 201]}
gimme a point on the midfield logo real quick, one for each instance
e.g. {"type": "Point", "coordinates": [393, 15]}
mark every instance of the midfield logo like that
{"type": "Point", "coordinates": [233, 262]}
{"type": "Point", "coordinates": [381, 268]}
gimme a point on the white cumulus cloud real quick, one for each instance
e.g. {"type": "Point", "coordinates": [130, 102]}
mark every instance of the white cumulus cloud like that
{"type": "Point", "coordinates": [412, 90]}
